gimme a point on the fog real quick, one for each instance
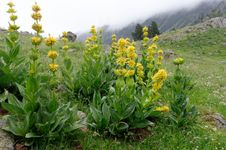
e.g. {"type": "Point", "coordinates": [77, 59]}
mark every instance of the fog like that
{"type": "Point", "coordinates": [78, 15]}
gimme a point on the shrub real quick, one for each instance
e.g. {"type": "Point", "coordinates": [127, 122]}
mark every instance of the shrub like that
{"type": "Point", "coordinates": [95, 74]}
{"type": "Point", "coordinates": [180, 86]}
{"type": "Point", "coordinates": [39, 116]}
{"type": "Point", "coordinates": [12, 66]}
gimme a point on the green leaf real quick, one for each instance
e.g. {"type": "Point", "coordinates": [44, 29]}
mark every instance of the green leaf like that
{"type": "Point", "coordinates": [96, 114]}
{"type": "Point", "coordinates": [3, 96]}
{"type": "Point", "coordinates": [32, 135]}
{"type": "Point", "coordinates": [53, 105]}
{"type": "Point", "coordinates": [106, 112]}
{"type": "Point", "coordinates": [129, 110]}
{"type": "Point", "coordinates": [13, 52]}
{"type": "Point", "coordinates": [5, 56]}
{"type": "Point", "coordinates": [14, 101]}
{"type": "Point", "coordinates": [12, 108]}
{"type": "Point", "coordinates": [122, 126]}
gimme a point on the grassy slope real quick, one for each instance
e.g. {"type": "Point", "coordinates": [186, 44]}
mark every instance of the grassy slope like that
{"type": "Point", "coordinates": [205, 58]}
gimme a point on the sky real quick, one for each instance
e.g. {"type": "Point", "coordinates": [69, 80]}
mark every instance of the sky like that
{"type": "Point", "coordinates": [78, 15]}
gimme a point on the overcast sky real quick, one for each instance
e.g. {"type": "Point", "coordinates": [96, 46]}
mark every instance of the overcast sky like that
{"type": "Point", "coordinates": [79, 15]}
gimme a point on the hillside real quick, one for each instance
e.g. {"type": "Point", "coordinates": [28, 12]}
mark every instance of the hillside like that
{"type": "Point", "coordinates": [171, 20]}
{"type": "Point", "coordinates": [204, 53]}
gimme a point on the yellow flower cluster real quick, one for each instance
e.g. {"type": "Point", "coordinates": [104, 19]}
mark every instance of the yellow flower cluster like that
{"type": "Point", "coordinates": [145, 37]}
{"type": "Point", "coordinates": [12, 24]}
{"type": "Point", "coordinates": [92, 45]}
{"type": "Point", "coordinates": [64, 39]}
{"type": "Point", "coordinates": [140, 73]}
{"type": "Point", "coordinates": [50, 41]}
{"type": "Point", "coordinates": [113, 44]}
{"type": "Point", "coordinates": [36, 40]}
{"type": "Point", "coordinates": [52, 54]}
{"type": "Point", "coordinates": [160, 57]}
{"type": "Point", "coordinates": [53, 67]}
{"type": "Point", "coordinates": [125, 58]}
{"type": "Point", "coordinates": [178, 61]}
{"type": "Point", "coordinates": [162, 109]}
{"type": "Point", "coordinates": [37, 27]}
{"type": "Point", "coordinates": [158, 79]}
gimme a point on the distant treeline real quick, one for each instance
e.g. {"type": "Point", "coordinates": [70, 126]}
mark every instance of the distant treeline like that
{"type": "Point", "coordinates": [152, 31]}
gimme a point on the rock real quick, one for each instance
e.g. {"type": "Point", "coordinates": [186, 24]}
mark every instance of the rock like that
{"type": "Point", "coordinates": [6, 141]}
{"type": "Point", "coordinates": [169, 54]}
{"type": "Point", "coordinates": [217, 119]}
{"type": "Point", "coordinates": [224, 44]}
{"type": "Point", "coordinates": [81, 114]}
{"type": "Point", "coordinates": [71, 36]}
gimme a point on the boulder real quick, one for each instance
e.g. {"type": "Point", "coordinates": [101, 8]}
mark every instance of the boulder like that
{"type": "Point", "coordinates": [71, 36]}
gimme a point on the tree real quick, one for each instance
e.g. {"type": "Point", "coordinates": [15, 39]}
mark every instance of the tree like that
{"type": "Point", "coordinates": [138, 34]}
{"type": "Point", "coordinates": [153, 29]}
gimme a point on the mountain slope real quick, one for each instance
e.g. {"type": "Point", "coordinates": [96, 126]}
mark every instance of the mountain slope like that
{"type": "Point", "coordinates": [171, 20]}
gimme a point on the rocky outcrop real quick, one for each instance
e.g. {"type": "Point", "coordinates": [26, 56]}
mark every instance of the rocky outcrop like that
{"type": "Point", "coordinates": [218, 22]}
{"type": "Point", "coordinates": [71, 36]}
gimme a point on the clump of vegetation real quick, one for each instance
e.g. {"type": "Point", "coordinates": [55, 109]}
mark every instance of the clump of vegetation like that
{"type": "Point", "coordinates": [180, 87]}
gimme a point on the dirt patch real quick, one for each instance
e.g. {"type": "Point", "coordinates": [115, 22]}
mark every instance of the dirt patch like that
{"type": "Point", "coordinates": [139, 134]}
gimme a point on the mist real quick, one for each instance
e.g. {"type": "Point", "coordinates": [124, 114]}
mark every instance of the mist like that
{"type": "Point", "coordinates": [77, 16]}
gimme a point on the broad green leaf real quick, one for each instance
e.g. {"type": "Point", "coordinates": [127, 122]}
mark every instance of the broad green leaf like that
{"type": "Point", "coordinates": [12, 108]}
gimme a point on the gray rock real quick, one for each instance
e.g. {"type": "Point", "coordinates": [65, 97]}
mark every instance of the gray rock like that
{"type": "Point", "coordinates": [224, 44]}
{"type": "Point", "coordinates": [71, 36]}
{"type": "Point", "coordinates": [218, 120]}
{"type": "Point", "coordinates": [6, 140]}
{"type": "Point", "coordinates": [169, 54]}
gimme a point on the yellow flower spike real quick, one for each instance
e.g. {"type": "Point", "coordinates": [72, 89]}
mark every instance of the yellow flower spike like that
{"type": "Point", "coordinates": [93, 30]}
{"type": "Point", "coordinates": [132, 55]}
{"type": "Point", "coordinates": [155, 39]}
{"type": "Point", "coordinates": [36, 16]}
{"type": "Point", "coordinates": [50, 41]}
{"type": "Point", "coordinates": [52, 54]}
{"type": "Point", "coordinates": [37, 27]}
{"type": "Point", "coordinates": [10, 4]}
{"type": "Point", "coordinates": [122, 42]}
{"type": "Point", "coordinates": [129, 73]}
{"type": "Point", "coordinates": [161, 75]}
{"type": "Point", "coordinates": [113, 37]}
{"type": "Point", "coordinates": [11, 10]}
{"type": "Point", "coordinates": [145, 34]}
{"type": "Point", "coordinates": [65, 47]}
{"type": "Point", "coordinates": [13, 17]}
{"type": "Point", "coordinates": [160, 52]}
{"type": "Point", "coordinates": [36, 7]}
{"type": "Point", "coordinates": [13, 27]}
{"type": "Point", "coordinates": [131, 49]}
{"type": "Point", "coordinates": [121, 61]}
{"type": "Point", "coordinates": [36, 40]}
{"type": "Point", "coordinates": [131, 63]}
{"type": "Point", "coordinates": [53, 67]}
{"type": "Point", "coordinates": [145, 29]}
{"type": "Point", "coordinates": [64, 39]}
{"type": "Point", "coordinates": [178, 61]}
{"type": "Point", "coordinates": [146, 39]}
{"type": "Point", "coordinates": [156, 86]}
{"type": "Point", "coordinates": [65, 34]}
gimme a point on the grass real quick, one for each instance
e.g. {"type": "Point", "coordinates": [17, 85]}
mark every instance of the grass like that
{"type": "Point", "coordinates": [205, 58]}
